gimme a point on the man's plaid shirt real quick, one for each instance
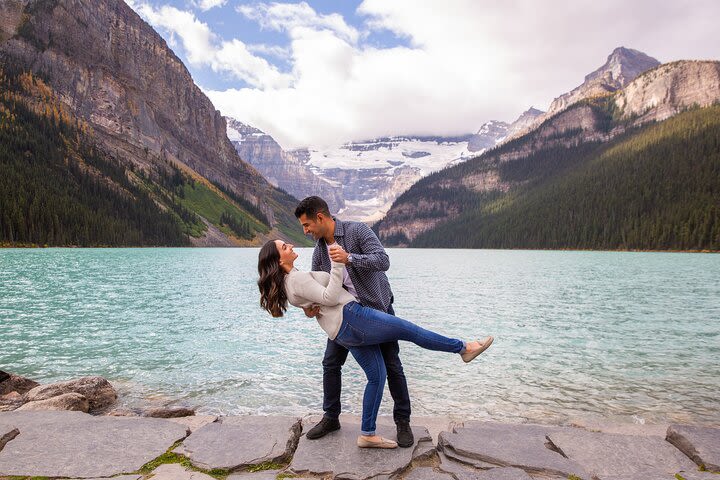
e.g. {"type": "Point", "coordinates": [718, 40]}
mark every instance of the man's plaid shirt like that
{"type": "Point", "coordinates": [368, 266]}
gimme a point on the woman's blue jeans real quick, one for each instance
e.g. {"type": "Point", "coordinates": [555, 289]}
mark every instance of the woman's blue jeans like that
{"type": "Point", "coordinates": [361, 332]}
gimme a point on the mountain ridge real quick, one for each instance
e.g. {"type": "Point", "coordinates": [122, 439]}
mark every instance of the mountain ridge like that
{"type": "Point", "coordinates": [676, 87]}
{"type": "Point", "coordinates": [114, 71]}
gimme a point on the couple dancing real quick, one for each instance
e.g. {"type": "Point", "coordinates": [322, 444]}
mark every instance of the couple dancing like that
{"type": "Point", "coordinates": [348, 293]}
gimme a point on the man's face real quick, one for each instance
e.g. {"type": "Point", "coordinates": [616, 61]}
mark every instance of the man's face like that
{"type": "Point", "coordinates": [313, 226]}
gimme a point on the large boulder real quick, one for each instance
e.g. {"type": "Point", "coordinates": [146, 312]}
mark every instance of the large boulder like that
{"type": "Point", "coordinates": [10, 401]}
{"type": "Point", "coordinates": [15, 383]}
{"type": "Point", "coordinates": [98, 391]}
{"type": "Point", "coordinates": [169, 412]}
{"type": "Point", "coordinates": [74, 402]}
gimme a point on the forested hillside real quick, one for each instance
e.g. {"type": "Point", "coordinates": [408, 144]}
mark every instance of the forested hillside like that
{"type": "Point", "coordinates": [656, 187]}
{"type": "Point", "coordinates": [58, 188]}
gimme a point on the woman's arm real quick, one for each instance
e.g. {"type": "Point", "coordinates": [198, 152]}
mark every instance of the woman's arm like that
{"type": "Point", "coordinates": [307, 287]}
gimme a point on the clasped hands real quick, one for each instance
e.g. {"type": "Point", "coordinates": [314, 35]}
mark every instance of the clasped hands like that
{"type": "Point", "coordinates": [337, 254]}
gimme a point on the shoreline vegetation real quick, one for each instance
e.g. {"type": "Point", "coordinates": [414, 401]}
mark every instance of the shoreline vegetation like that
{"type": "Point", "coordinates": [174, 443]}
{"type": "Point", "coordinates": [8, 246]}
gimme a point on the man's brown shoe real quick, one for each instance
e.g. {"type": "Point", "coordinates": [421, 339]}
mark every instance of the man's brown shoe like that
{"type": "Point", "coordinates": [325, 426]}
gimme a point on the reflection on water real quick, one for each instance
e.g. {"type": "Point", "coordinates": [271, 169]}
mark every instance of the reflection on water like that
{"type": "Point", "coordinates": [630, 336]}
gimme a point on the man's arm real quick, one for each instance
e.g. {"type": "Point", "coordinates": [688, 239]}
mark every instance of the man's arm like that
{"type": "Point", "coordinates": [372, 255]}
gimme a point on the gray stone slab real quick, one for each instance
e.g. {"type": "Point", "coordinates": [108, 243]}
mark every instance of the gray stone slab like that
{"type": "Point", "coordinates": [701, 444]}
{"type": "Point", "coordinates": [605, 454]}
{"type": "Point", "coordinates": [75, 444]}
{"type": "Point", "coordinates": [697, 476]}
{"type": "Point", "coordinates": [195, 422]}
{"type": "Point", "coordinates": [7, 433]}
{"type": "Point", "coordinates": [175, 471]}
{"type": "Point", "coordinates": [647, 475]}
{"type": "Point", "coordinates": [236, 442]}
{"type": "Point", "coordinates": [119, 477]}
{"type": "Point", "coordinates": [509, 445]}
{"type": "Point", "coordinates": [424, 450]}
{"type": "Point", "coordinates": [461, 471]}
{"type": "Point", "coordinates": [428, 473]}
{"type": "Point", "coordinates": [338, 456]}
{"type": "Point", "coordinates": [504, 473]}
{"type": "Point", "coordinates": [261, 475]}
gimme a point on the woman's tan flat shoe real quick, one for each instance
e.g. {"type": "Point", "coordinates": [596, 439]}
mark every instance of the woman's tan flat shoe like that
{"type": "Point", "coordinates": [383, 443]}
{"type": "Point", "coordinates": [470, 356]}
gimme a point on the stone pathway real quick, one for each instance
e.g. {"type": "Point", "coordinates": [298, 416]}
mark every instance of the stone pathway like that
{"type": "Point", "coordinates": [76, 445]}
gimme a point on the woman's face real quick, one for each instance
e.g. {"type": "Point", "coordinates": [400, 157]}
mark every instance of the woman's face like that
{"type": "Point", "coordinates": [287, 255]}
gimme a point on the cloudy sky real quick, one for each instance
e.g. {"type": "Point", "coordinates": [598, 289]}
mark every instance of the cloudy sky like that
{"type": "Point", "coordinates": [324, 72]}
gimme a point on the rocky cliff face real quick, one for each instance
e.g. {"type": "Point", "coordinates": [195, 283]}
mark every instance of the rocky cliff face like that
{"type": "Point", "coordinates": [280, 168]}
{"type": "Point", "coordinates": [623, 65]}
{"type": "Point", "coordinates": [113, 70]}
{"type": "Point", "coordinates": [668, 89]}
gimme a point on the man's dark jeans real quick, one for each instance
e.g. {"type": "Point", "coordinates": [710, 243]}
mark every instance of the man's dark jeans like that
{"type": "Point", "coordinates": [335, 356]}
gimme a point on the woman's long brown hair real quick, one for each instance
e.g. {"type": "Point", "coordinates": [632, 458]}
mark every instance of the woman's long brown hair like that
{"type": "Point", "coordinates": [271, 283]}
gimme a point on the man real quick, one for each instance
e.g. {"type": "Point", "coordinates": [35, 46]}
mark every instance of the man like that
{"type": "Point", "coordinates": [366, 263]}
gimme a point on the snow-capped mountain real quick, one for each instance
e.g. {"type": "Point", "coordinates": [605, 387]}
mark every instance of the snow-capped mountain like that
{"type": "Point", "coordinates": [281, 168]}
{"type": "Point", "coordinates": [359, 180]}
{"type": "Point", "coordinates": [373, 173]}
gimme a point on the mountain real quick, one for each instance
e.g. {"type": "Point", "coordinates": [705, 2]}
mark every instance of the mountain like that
{"type": "Point", "coordinates": [530, 188]}
{"type": "Point", "coordinates": [280, 168]}
{"type": "Point", "coordinates": [490, 134]}
{"type": "Point", "coordinates": [360, 180]}
{"type": "Point", "coordinates": [141, 108]}
{"type": "Point", "coordinates": [622, 66]}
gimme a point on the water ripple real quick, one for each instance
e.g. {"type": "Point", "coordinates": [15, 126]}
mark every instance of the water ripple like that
{"type": "Point", "coordinates": [627, 336]}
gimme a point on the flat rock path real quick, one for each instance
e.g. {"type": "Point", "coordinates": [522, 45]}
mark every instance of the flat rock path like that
{"type": "Point", "coordinates": [74, 445]}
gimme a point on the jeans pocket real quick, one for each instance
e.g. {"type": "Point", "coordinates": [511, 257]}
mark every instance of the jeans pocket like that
{"type": "Point", "coordinates": [350, 337]}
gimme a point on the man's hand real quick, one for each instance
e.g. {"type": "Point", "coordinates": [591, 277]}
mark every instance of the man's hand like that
{"type": "Point", "coordinates": [337, 254]}
{"type": "Point", "coordinates": [311, 312]}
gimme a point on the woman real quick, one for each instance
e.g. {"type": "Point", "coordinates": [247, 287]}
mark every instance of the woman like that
{"type": "Point", "coordinates": [359, 329]}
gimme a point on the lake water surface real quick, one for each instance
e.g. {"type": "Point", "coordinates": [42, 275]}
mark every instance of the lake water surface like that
{"type": "Point", "coordinates": [632, 337]}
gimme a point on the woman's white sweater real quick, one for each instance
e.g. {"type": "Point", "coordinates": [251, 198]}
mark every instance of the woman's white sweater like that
{"type": "Point", "coordinates": [305, 289]}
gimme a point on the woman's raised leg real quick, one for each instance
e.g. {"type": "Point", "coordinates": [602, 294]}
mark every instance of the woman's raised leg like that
{"type": "Point", "coordinates": [380, 327]}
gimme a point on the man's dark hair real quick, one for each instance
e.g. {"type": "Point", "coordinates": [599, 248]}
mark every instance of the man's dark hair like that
{"type": "Point", "coordinates": [311, 206]}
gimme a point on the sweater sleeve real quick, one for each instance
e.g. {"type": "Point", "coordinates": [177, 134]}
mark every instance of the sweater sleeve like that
{"type": "Point", "coordinates": [307, 287]}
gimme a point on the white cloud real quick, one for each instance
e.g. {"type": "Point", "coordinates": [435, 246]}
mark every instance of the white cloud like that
{"type": "Point", "coordinates": [290, 17]}
{"type": "Point", "coordinates": [204, 48]}
{"type": "Point", "coordinates": [197, 39]}
{"type": "Point", "coordinates": [282, 53]}
{"type": "Point", "coordinates": [466, 62]}
{"type": "Point", "coordinates": [206, 5]}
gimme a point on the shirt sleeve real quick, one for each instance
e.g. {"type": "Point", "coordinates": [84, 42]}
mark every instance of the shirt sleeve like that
{"type": "Point", "coordinates": [305, 286]}
{"type": "Point", "coordinates": [372, 255]}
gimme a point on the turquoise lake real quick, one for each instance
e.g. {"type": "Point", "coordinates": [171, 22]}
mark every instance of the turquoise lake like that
{"type": "Point", "coordinates": [630, 337]}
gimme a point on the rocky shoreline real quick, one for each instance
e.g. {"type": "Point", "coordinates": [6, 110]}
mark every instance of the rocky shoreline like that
{"type": "Point", "coordinates": [70, 430]}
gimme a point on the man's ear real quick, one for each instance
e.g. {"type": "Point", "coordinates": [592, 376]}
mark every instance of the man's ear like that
{"type": "Point", "coordinates": [320, 217]}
